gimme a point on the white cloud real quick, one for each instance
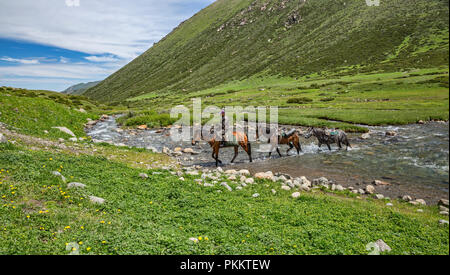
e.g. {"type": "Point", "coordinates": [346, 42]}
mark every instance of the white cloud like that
{"type": "Point", "coordinates": [122, 28]}
{"type": "Point", "coordinates": [112, 32]}
{"type": "Point", "coordinates": [94, 58]}
{"type": "Point", "coordinates": [21, 61]}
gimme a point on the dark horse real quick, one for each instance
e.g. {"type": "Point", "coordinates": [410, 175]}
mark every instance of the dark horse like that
{"type": "Point", "coordinates": [241, 139]}
{"type": "Point", "coordinates": [290, 138]}
{"type": "Point", "coordinates": [339, 137]}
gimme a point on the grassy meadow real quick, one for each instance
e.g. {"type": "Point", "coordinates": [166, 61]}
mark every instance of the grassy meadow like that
{"type": "Point", "coordinates": [39, 214]}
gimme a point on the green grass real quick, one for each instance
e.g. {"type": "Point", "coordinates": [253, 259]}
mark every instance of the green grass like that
{"type": "Point", "coordinates": [329, 99]}
{"type": "Point", "coordinates": [160, 214]}
{"type": "Point", "coordinates": [33, 112]}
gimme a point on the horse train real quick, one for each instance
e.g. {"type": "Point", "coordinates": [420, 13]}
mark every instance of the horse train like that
{"type": "Point", "coordinates": [291, 138]}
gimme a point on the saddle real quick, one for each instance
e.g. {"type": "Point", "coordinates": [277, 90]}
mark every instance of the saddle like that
{"type": "Point", "coordinates": [288, 134]}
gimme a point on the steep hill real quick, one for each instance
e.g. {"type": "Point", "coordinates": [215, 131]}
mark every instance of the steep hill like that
{"type": "Point", "coordinates": [79, 88]}
{"type": "Point", "coordinates": [237, 39]}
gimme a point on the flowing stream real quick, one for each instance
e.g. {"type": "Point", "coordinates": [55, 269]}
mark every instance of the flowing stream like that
{"type": "Point", "coordinates": [414, 162]}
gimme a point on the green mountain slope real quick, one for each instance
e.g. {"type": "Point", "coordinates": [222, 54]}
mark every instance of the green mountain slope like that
{"type": "Point", "coordinates": [79, 88]}
{"type": "Point", "coordinates": [236, 39]}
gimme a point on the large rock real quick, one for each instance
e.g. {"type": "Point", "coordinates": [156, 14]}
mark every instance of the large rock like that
{"type": "Point", "coordinates": [143, 176]}
{"type": "Point", "coordinates": [407, 198]}
{"type": "Point", "coordinates": [76, 185]}
{"type": "Point", "coordinates": [250, 181]}
{"type": "Point", "coordinates": [96, 200]}
{"type": "Point", "coordinates": [286, 188]}
{"type": "Point", "coordinates": [382, 246]}
{"type": "Point", "coordinates": [365, 136]}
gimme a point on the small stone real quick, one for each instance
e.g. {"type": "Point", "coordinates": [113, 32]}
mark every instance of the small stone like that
{"type": "Point", "coordinates": [232, 178]}
{"type": "Point", "coordinates": [96, 200]}
{"type": "Point", "coordinates": [413, 203]}
{"type": "Point", "coordinates": [231, 172]}
{"type": "Point", "coordinates": [443, 208]}
{"type": "Point", "coordinates": [320, 181]}
{"type": "Point", "coordinates": [274, 191]}
{"type": "Point", "coordinates": [143, 176]}
{"type": "Point", "coordinates": [250, 181]}
{"type": "Point", "coordinates": [422, 202]}
{"type": "Point", "coordinates": [188, 151]}
{"type": "Point", "coordinates": [407, 198]}
{"type": "Point", "coordinates": [239, 188]}
{"type": "Point", "coordinates": [391, 133]}
{"type": "Point", "coordinates": [181, 179]}
{"type": "Point", "coordinates": [243, 178]}
{"type": "Point", "coordinates": [443, 222]}
{"type": "Point", "coordinates": [296, 195]}
{"type": "Point", "coordinates": [194, 240]}
{"type": "Point", "coordinates": [420, 210]}
{"type": "Point", "coordinates": [193, 173]}
{"type": "Point", "coordinates": [76, 185]}
{"type": "Point", "coordinates": [443, 202]}
{"type": "Point", "coordinates": [365, 136]}
{"type": "Point", "coordinates": [370, 189]}
{"type": "Point", "coordinates": [339, 188]}
{"type": "Point", "coordinates": [361, 191]}
{"type": "Point", "coordinates": [255, 195]}
{"type": "Point", "coordinates": [380, 183]}
{"type": "Point", "coordinates": [244, 172]}
{"type": "Point", "coordinates": [224, 184]}
{"type": "Point", "coordinates": [65, 130]}
{"type": "Point", "coordinates": [379, 196]}
{"type": "Point", "coordinates": [286, 188]}
{"type": "Point", "coordinates": [445, 213]}
{"type": "Point", "coordinates": [3, 139]}
{"type": "Point", "coordinates": [389, 204]}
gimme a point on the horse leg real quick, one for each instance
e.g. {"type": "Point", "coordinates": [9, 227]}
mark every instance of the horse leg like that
{"type": "Point", "coordinates": [298, 147]}
{"type": "Point", "coordinates": [236, 152]}
{"type": "Point", "coordinates": [340, 145]}
{"type": "Point", "coordinates": [279, 153]}
{"type": "Point", "coordinates": [329, 146]}
{"type": "Point", "coordinates": [249, 151]}
{"type": "Point", "coordinates": [290, 148]}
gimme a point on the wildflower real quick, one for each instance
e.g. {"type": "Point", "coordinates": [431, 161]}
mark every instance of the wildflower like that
{"type": "Point", "coordinates": [82, 227]}
{"type": "Point", "coordinates": [103, 242]}
{"type": "Point", "coordinates": [80, 243]}
{"type": "Point", "coordinates": [102, 222]}
{"type": "Point", "coordinates": [200, 238]}
{"type": "Point", "coordinates": [28, 216]}
{"type": "Point", "coordinates": [206, 239]}
{"type": "Point", "coordinates": [88, 249]}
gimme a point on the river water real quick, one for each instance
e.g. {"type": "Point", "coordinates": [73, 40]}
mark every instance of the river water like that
{"type": "Point", "coordinates": [415, 162]}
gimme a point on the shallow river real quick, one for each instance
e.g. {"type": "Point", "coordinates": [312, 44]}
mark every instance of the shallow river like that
{"type": "Point", "coordinates": [415, 162]}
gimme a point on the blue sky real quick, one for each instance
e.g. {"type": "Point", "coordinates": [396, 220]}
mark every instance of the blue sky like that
{"type": "Point", "coordinates": [53, 44]}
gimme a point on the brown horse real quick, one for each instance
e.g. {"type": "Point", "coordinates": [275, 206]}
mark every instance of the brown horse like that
{"type": "Point", "coordinates": [241, 139]}
{"type": "Point", "coordinates": [291, 138]}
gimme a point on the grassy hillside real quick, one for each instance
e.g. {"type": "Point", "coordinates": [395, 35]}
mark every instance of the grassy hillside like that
{"type": "Point", "coordinates": [234, 40]}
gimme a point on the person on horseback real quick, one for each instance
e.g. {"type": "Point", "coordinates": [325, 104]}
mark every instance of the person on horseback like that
{"type": "Point", "coordinates": [224, 123]}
